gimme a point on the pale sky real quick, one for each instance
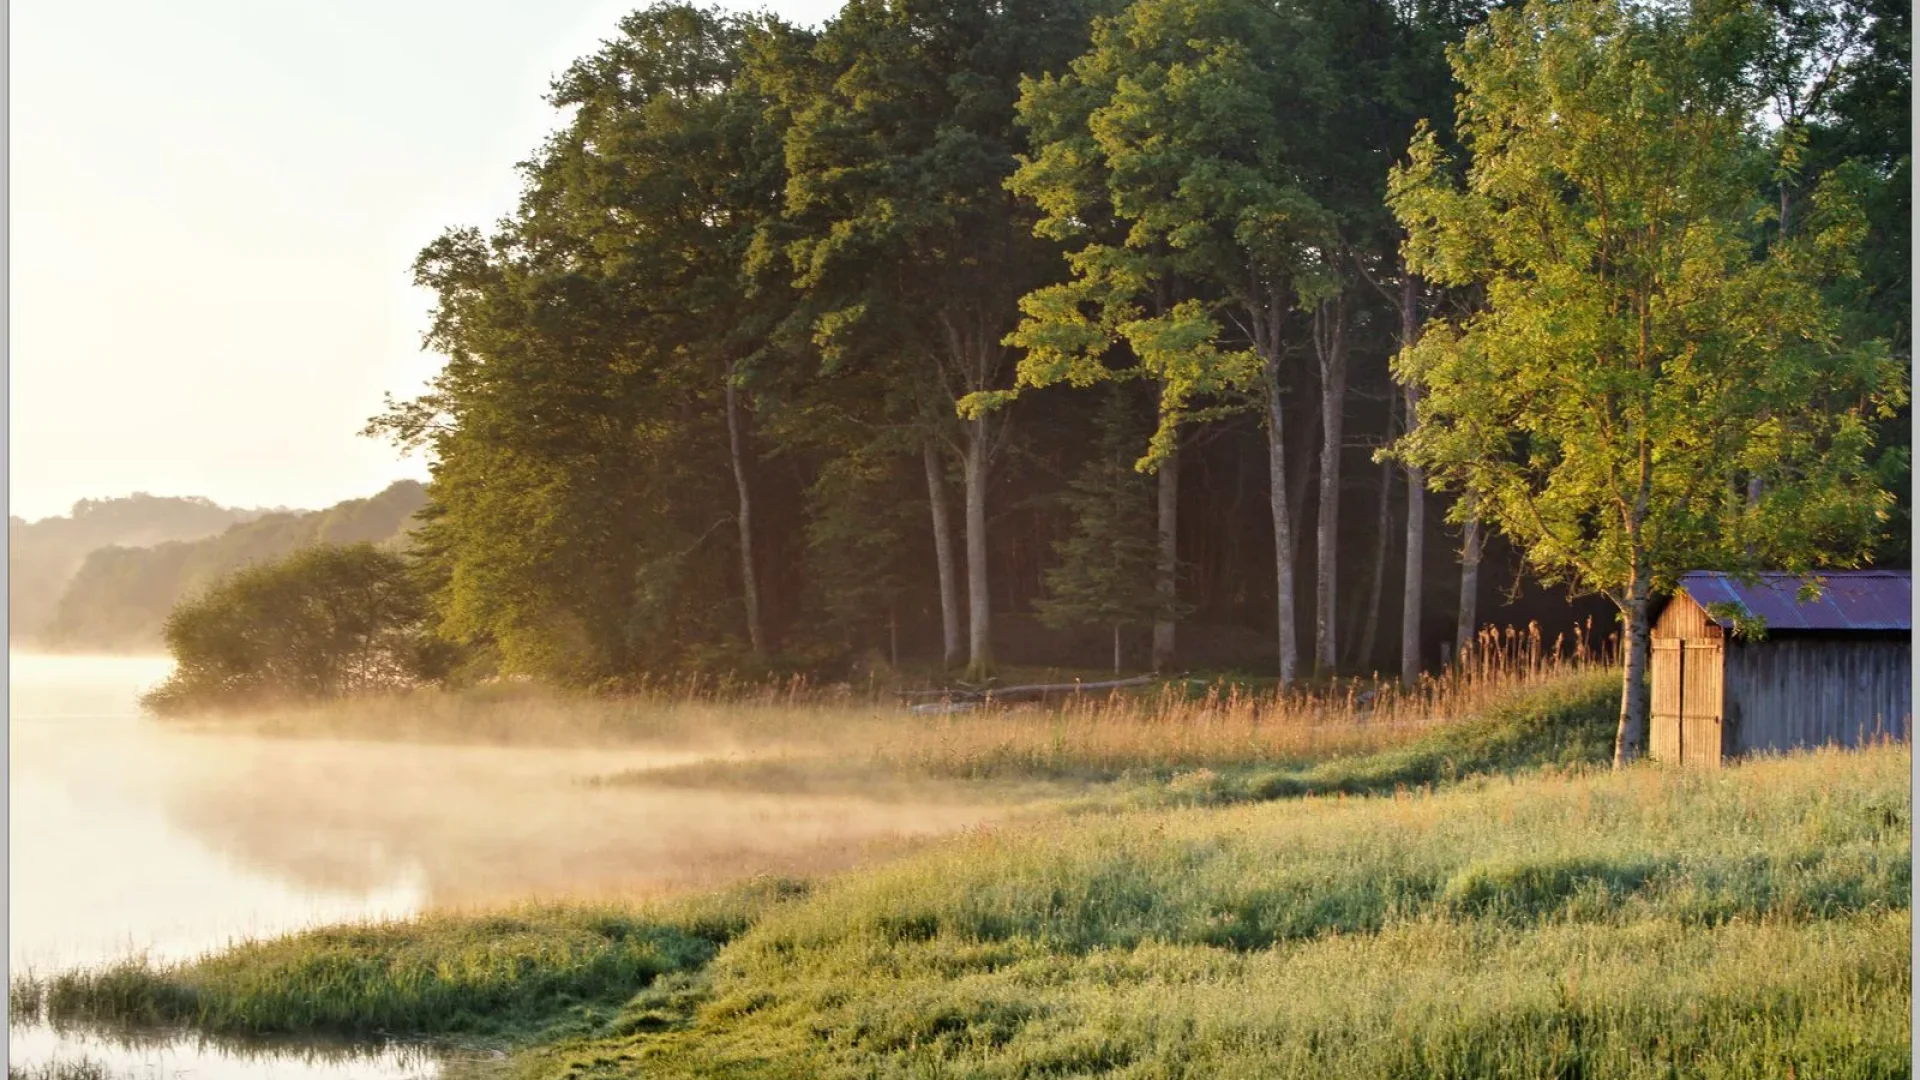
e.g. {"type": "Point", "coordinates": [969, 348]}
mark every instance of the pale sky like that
{"type": "Point", "coordinates": [213, 208]}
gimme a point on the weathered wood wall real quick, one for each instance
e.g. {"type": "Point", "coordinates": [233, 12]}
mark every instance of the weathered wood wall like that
{"type": "Point", "coordinates": [1685, 620]}
{"type": "Point", "coordinates": [1788, 692]}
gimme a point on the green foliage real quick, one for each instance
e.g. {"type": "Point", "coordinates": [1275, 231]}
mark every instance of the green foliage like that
{"type": "Point", "coordinates": [121, 595]}
{"type": "Point", "coordinates": [325, 622]}
{"type": "Point", "coordinates": [573, 528]}
{"type": "Point", "coordinates": [925, 206]}
{"type": "Point", "coordinates": [1640, 356]}
{"type": "Point", "coordinates": [1106, 573]}
{"type": "Point", "coordinates": [863, 512]}
{"type": "Point", "coordinates": [1172, 158]}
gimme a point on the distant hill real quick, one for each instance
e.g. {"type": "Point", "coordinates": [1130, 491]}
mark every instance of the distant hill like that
{"type": "Point", "coordinates": [44, 555]}
{"type": "Point", "coordinates": [119, 598]}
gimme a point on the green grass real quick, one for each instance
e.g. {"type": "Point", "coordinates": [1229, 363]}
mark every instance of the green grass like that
{"type": "Point", "coordinates": [1481, 899]}
{"type": "Point", "coordinates": [1647, 924]}
{"type": "Point", "coordinates": [1566, 725]}
{"type": "Point", "coordinates": [518, 974]}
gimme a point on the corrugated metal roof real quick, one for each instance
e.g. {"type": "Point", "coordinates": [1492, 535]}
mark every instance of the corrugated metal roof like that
{"type": "Point", "coordinates": [1849, 599]}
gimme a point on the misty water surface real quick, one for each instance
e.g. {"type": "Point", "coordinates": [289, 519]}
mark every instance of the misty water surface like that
{"type": "Point", "coordinates": [130, 835]}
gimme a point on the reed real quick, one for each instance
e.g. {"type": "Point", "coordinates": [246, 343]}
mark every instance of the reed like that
{"type": "Point", "coordinates": [1176, 724]}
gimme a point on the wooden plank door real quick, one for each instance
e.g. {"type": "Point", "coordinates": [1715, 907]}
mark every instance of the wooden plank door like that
{"type": "Point", "coordinates": [1664, 734]}
{"type": "Point", "coordinates": [1703, 704]}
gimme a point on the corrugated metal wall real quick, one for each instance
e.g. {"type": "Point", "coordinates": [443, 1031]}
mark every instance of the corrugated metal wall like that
{"type": "Point", "coordinates": [1783, 693]}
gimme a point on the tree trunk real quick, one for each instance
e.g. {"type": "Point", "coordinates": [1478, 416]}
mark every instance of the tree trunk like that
{"type": "Point", "coordinates": [1283, 554]}
{"type": "Point", "coordinates": [943, 556]}
{"type": "Point", "coordinates": [756, 637]}
{"type": "Point", "coordinates": [979, 603]}
{"type": "Point", "coordinates": [1302, 456]}
{"type": "Point", "coordinates": [1116, 650]}
{"type": "Point", "coordinates": [1383, 526]}
{"type": "Point", "coordinates": [1470, 546]}
{"type": "Point", "coordinates": [1166, 582]}
{"type": "Point", "coordinates": [1414, 580]}
{"type": "Point", "coordinates": [1330, 340]}
{"type": "Point", "coordinates": [1630, 742]}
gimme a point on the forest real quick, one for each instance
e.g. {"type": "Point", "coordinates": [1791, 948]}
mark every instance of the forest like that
{"type": "Point", "coordinates": [1297, 337]}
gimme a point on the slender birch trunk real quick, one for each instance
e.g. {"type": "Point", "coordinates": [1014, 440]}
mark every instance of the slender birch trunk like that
{"type": "Point", "coordinates": [1413, 583]}
{"type": "Point", "coordinates": [1166, 583]}
{"type": "Point", "coordinates": [749, 586]}
{"type": "Point", "coordinates": [979, 602]}
{"type": "Point", "coordinates": [1330, 340]}
{"type": "Point", "coordinates": [1471, 544]}
{"type": "Point", "coordinates": [1630, 742]}
{"type": "Point", "coordinates": [1283, 553]}
{"type": "Point", "coordinates": [1383, 526]}
{"type": "Point", "coordinates": [943, 557]}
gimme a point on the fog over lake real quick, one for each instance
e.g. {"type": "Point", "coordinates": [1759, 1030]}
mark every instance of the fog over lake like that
{"type": "Point", "coordinates": [131, 835]}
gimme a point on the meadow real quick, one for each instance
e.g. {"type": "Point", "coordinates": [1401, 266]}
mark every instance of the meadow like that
{"type": "Point", "coordinates": [1468, 896]}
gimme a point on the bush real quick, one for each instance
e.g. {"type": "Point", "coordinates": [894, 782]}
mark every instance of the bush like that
{"type": "Point", "coordinates": [324, 622]}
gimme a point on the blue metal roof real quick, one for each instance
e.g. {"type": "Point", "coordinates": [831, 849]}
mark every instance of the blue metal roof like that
{"type": "Point", "coordinates": [1849, 599]}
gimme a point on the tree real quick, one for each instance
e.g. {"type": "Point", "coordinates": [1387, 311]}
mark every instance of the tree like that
{"type": "Point", "coordinates": [1108, 569]}
{"type": "Point", "coordinates": [902, 239]}
{"type": "Point", "coordinates": [325, 622]}
{"type": "Point", "coordinates": [1188, 125]}
{"type": "Point", "coordinates": [602, 353]}
{"type": "Point", "coordinates": [1643, 350]}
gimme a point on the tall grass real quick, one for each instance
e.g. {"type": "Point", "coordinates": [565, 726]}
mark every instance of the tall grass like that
{"type": "Point", "coordinates": [508, 972]}
{"type": "Point", "coordinates": [1176, 723]}
{"type": "Point", "coordinates": [1653, 923]}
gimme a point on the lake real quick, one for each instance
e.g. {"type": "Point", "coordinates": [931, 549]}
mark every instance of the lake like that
{"type": "Point", "coordinates": [129, 835]}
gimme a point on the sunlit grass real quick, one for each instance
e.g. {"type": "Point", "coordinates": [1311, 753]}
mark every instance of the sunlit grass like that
{"type": "Point", "coordinates": [1651, 923]}
{"type": "Point", "coordinates": [515, 971]}
{"type": "Point", "coordinates": [1178, 723]}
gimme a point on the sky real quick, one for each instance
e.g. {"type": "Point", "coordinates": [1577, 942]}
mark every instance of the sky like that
{"type": "Point", "coordinates": [213, 208]}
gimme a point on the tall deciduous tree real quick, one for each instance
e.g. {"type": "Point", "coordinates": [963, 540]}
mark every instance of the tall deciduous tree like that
{"type": "Point", "coordinates": [1641, 352]}
{"type": "Point", "coordinates": [903, 238]}
{"type": "Point", "coordinates": [601, 351]}
{"type": "Point", "coordinates": [1189, 124]}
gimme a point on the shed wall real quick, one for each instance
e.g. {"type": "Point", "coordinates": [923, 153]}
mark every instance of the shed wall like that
{"type": "Point", "coordinates": [1784, 693]}
{"type": "Point", "coordinates": [1686, 620]}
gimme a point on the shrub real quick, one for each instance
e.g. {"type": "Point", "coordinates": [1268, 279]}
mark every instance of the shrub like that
{"type": "Point", "coordinates": [324, 622]}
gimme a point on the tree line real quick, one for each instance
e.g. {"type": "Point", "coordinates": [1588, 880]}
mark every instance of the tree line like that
{"type": "Point", "coordinates": [1163, 316]}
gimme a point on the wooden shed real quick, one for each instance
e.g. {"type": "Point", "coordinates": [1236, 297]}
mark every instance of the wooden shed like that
{"type": "Point", "coordinates": [1836, 669]}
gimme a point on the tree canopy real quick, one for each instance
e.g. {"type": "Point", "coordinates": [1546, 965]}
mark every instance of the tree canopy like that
{"type": "Point", "coordinates": [752, 376]}
{"type": "Point", "coordinates": [325, 622]}
{"type": "Point", "coordinates": [1653, 380]}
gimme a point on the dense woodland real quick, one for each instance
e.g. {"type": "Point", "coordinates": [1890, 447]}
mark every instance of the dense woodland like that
{"type": "Point", "coordinates": [1064, 331]}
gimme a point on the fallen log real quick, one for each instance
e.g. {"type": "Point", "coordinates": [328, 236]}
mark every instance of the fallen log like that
{"type": "Point", "coordinates": [1029, 692]}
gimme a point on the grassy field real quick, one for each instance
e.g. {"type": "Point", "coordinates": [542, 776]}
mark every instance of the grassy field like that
{"type": "Point", "coordinates": [1478, 898]}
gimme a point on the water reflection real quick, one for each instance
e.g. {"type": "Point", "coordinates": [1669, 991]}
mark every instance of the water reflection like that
{"type": "Point", "coordinates": [131, 836]}
{"type": "Point", "coordinates": [175, 1054]}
